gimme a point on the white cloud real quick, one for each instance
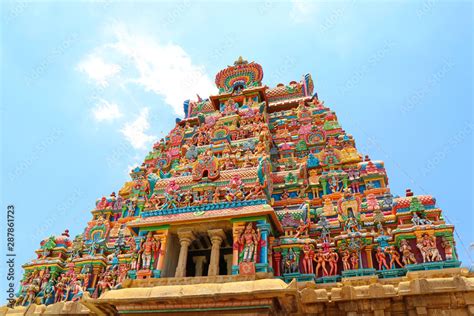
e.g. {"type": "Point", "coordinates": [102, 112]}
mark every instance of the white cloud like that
{"type": "Point", "coordinates": [302, 10]}
{"type": "Point", "coordinates": [134, 131]}
{"type": "Point", "coordinates": [106, 111]}
{"type": "Point", "coordinates": [148, 64]}
{"type": "Point", "coordinates": [165, 69]}
{"type": "Point", "coordinates": [97, 69]}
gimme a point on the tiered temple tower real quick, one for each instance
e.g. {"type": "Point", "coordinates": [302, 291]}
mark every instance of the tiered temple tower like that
{"type": "Point", "coordinates": [254, 184]}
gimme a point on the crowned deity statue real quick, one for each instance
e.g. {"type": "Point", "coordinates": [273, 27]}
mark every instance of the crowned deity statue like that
{"type": "Point", "coordinates": [149, 249]}
{"type": "Point", "coordinates": [249, 239]}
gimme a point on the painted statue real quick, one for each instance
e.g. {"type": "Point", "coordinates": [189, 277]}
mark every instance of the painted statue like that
{"type": "Point", "coordinates": [249, 240]}
{"type": "Point", "coordinates": [427, 246]}
{"type": "Point", "coordinates": [408, 257]}
{"type": "Point", "coordinates": [307, 259]}
{"type": "Point", "coordinates": [381, 259]}
{"type": "Point", "coordinates": [149, 248]}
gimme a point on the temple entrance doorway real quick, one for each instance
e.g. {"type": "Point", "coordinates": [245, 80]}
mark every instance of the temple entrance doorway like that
{"type": "Point", "coordinates": [199, 256]}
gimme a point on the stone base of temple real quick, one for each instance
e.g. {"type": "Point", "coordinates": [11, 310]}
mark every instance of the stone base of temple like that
{"type": "Point", "coordinates": [151, 282]}
{"type": "Point", "coordinates": [61, 308]}
{"type": "Point", "coordinates": [428, 292]}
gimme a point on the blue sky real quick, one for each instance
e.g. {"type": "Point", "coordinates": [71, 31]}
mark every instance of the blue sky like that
{"type": "Point", "coordinates": [87, 87]}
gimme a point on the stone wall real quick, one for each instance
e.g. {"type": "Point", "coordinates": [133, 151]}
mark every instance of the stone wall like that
{"type": "Point", "coordinates": [448, 292]}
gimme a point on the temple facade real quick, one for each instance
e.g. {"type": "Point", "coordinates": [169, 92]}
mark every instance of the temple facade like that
{"type": "Point", "coordinates": [257, 202]}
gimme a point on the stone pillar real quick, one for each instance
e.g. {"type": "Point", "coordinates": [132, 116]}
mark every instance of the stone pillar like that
{"type": "Point", "coordinates": [216, 236]}
{"type": "Point", "coordinates": [163, 237]}
{"type": "Point", "coordinates": [264, 232]}
{"type": "Point", "coordinates": [276, 268]}
{"type": "Point", "coordinates": [186, 237]}
{"type": "Point", "coordinates": [368, 254]}
{"type": "Point", "coordinates": [228, 260]}
{"type": "Point", "coordinates": [161, 258]}
{"type": "Point", "coordinates": [199, 261]}
{"type": "Point", "coordinates": [270, 252]}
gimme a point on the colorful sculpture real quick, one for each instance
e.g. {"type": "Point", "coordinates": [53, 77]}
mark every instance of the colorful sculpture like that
{"type": "Point", "coordinates": [264, 177]}
{"type": "Point", "coordinates": [249, 242]}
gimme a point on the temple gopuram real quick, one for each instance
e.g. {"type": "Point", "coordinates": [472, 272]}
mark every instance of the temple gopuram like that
{"type": "Point", "coordinates": [258, 203]}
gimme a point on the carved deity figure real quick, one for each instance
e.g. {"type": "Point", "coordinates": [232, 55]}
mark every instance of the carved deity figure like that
{"type": "Point", "coordinates": [351, 224]}
{"type": "Point", "coordinates": [302, 229]}
{"type": "Point", "coordinates": [45, 278]}
{"type": "Point", "coordinates": [216, 196]}
{"type": "Point", "coordinates": [381, 259]}
{"type": "Point", "coordinates": [102, 203]}
{"type": "Point", "coordinates": [307, 259]}
{"type": "Point", "coordinates": [290, 264]}
{"type": "Point", "coordinates": [230, 107]}
{"type": "Point", "coordinates": [448, 249]}
{"type": "Point", "coordinates": [153, 202]}
{"type": "Point", "coordinates": [86, 273]}
{"type": "Point", "coordinates": [302, 191]}
{"type": "Point", "coordinates": [346, 255]}
{"type": "Point", "coordinates": [103, 285]}
{"type": "Point", "coordinates": [332, 258]}
{"type": "Point", "coordinates": [149, 250]}
{"type": "Point", "coordinates": [320, 263]}
{"type": "Point", "coordinates": [76, 291]}
{"type": "Point", "coordinates": [59, 289]}
{"type": "Point", "coordinates": [417, 220]}
{"type": "Point", "coordinates": [394, 256]}
{"type": "Point", "coordinates": [408, 257]}
{"type": "Point", "coordinates": [234, 189]}
{"type": "Point", "coordinates": [427, 246]}
{"type": "Point", "coordinates": [249, 240]}
{"type": "Point", "coordinates": [31, 292]}
{"type": "Point", "coordinates": [355, 261]}
{"type": "Point", "coordinates": [256, 191]}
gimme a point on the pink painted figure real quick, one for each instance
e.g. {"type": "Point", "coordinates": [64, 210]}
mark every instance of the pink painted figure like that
{"type": "Point", "coordinates": [355, 261]}
{"type": "Point", "coordinates": [394, 256]}
{"type": "Point", "coordinates": [333, 259]}
{"type": "Point", "coordinates": [307, 258]}
{"type": "Point", "coordinates": [320, 264]}
{"type": "Point", "coordinates": [381, 259]}
{"type": "Point", "coordinates": [346, 255]}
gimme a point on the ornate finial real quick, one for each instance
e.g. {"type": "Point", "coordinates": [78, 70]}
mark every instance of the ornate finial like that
{"type": "Point", "coordinates": [240, 61]}
{"type": "Point", "coordinates": [241, 75]}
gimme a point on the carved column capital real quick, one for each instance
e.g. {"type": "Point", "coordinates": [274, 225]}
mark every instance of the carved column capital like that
{"type": "Point", "coordinates": [216, 235]}
{"type": "Point", "coordinates": [186, 237]}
